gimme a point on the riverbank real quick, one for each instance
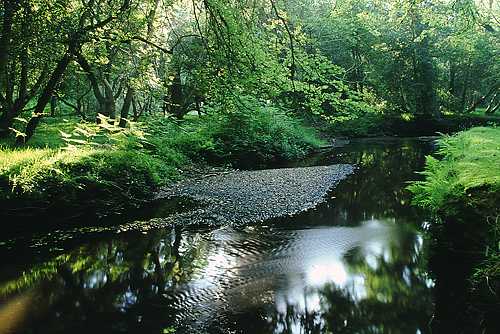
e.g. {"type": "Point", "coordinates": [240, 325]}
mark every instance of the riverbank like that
{"type": "Point", "coordinates": [462, 188]}
{"type": "Point", "coordinates": [224, 198]}
{"type": "Point", "coordinates": [74, 170]}
{"type": "Point", "coordinates": [365, 228]}
{"type": "Point", "coordinates": [373, 124]}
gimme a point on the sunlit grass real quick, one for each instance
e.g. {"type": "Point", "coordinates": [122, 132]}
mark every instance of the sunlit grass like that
{"type": "Point", "coordinates": [75, 163]}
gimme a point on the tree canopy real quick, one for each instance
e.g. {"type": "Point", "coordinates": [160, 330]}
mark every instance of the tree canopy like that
{"type": "Point", "coordinates": [321, 59]}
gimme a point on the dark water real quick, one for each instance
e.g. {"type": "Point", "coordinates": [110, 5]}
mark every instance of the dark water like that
{"type": "Point", "coordinates": [356, 264]}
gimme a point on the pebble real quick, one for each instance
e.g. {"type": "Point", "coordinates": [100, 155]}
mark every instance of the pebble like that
{"type": "Point", "coordinates": [243, 197]}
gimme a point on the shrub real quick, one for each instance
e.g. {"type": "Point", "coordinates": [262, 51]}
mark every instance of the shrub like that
{"type": "Point", "coordinates": [246, 132]}
{"type": "Point", "coordinates": [259, 132]}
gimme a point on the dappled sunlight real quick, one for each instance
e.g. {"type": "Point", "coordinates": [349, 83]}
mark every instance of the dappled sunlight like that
{"type": "Point", "coordinates": [320, 273]}
{"type": "Point", "coordinates": [249, 166]}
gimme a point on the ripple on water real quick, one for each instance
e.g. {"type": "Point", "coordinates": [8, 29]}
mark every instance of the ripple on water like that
{"type": "Point", "coordinates": [245, 268]}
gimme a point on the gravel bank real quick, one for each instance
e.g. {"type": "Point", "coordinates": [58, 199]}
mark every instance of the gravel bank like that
{"type": "Point", "coordinates": [243, 197]}
{"type": "Point", "coordinates": [224, 198]}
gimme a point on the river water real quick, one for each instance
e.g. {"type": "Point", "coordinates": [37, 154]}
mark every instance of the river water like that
{"type": "Point", "coordinates": [356, 264]}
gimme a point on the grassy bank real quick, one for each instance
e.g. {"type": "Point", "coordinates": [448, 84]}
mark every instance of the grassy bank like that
{"type": "Point", "coordinates": [465, 182]}
{"type": "Point", "coordinates": [72, 167]}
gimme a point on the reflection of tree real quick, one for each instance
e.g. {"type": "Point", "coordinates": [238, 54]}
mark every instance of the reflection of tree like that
{"type": "Point", "coordinates": [392, 295]}
{"type": "Point", "coordinates": [130, 283]}
{"type": "Point", "coordinates": [395, 294]}
{"type": "Point", "coordinates": [114, 285]}
{"type": "Point", "coordinates": [456, 249]}
{"type": "Point", "coordinates": [378, 185]}
{"type": "Point", "coordinates": [377, 188]}
{"type": "Point", "coordinates": [294, 318]}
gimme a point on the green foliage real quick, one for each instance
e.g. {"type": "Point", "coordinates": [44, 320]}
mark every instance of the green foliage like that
{"type": "Point", "coordinates": [110, 168]}
{"type": "Point", "coordinates": [362, 124]}
{"type": "Point", "coordinates": [469, 163]}
{"type": "Point", "coordinates": [245, 131]}
{"type": "Point", "coordinates": [48, 133]}
{"type": "Point", "coordinates": [259, 132]}
{"type": "Point", "coordinates": [101, 165]}
{"type": "Point", "coordinates": [81, 177]}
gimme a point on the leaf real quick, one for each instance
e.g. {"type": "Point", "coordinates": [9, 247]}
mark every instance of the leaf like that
{"type": "Point", "coordinates": [64, 134]}
{"type": "Point", "coordinates": [17, 132]}
{"type": "Point", "coordinates": [83, 132]}
{"type": "Point", "coordinates": [76, 141]}
{"type": "Point", "coordinates": [20, 119]}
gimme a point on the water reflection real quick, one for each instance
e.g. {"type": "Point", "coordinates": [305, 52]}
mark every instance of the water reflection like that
{"type": "Point", "coordinates": [328, 279]}
{"type": "Point", "coordinates": [373, 288]}
{"type": "Point", "coordinates": [377, 189]}
{"type": "Point", "coordinates": [355, 265]}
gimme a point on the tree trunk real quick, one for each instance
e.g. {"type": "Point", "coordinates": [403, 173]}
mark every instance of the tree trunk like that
{"type": "Point", "coordinates": [452, 88]}
{"type": "Point", "coordinates": [126, 106]}
{"type": "Point", "coordinates": [166, 105]}
{"type": "Point", "coordinates": [7, 118]}
{"type": "Point", "coordinates": [9, 8]}
{"type": "Point", "coordinates": [79, 109]}
{"type": "Point", "coordinates": [135, 110]}
{"type": "Point", "coordinates": [45, 97]}
{"type": "Point", "coordinates": [465, 89]}
{"type": "Point", "coordinates": [53, 105]}
{"type": "Point", "coordinates": [102, 99]}
{"type": "Point", "coordinates": [109, 101]}
{"type": "Point", "coordinates": [426, 98]}
{"type": "Point", "coordinates": [481, 99]}
{"type": "Point", "coordinates": [176, 97]}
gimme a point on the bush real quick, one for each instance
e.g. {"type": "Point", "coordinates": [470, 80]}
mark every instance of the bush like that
{"type": "Point", "coordinates": [255, 132]}
{"type": "Point", "coordinates": [248, 132]}
{"type": "Point", "coordinates": [262, 133]}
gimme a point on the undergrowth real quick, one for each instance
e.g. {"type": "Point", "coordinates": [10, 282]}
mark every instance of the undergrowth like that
{"type": "Point", "coordinates": [87, 166]}
{"type": "Point", "coordinates": [469, 162]}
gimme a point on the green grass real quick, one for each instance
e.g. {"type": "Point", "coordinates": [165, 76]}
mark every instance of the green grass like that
{"type": "Point", "coordinates": [107, 179]}
{"type": "Point", "coordinates": [48, 132]}
{"type": "Point", "coordinates": [79, 165]}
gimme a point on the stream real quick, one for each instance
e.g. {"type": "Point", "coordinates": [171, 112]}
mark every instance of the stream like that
{"type": "Point", "coordinates": [355, 264]}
